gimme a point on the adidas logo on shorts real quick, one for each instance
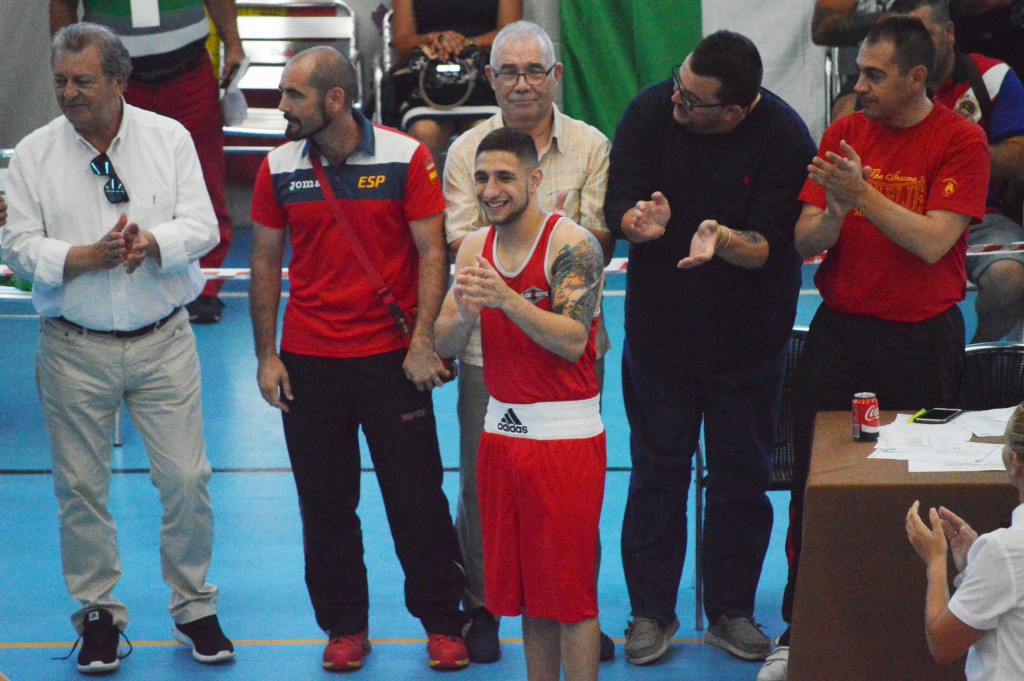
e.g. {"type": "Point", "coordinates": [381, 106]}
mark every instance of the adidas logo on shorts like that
{"type": "Point", "coordinates": [510, 423]}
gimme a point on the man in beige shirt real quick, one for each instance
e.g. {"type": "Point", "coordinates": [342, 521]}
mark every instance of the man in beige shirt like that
{"type": "Point", "coordinates": [574, 157]}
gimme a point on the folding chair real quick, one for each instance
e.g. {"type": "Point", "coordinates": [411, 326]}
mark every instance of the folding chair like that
{"type": "Point", "coordinates": [272, 32]}
{"type": "Point", "coordinates": [832, 81]}
{"type": "Point", "coordinates": [993, 376]}
{"type": "Point", "coordinates": [782, 464]}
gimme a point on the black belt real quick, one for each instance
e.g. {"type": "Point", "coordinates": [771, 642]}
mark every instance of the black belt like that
{"type": "Point", "coordinates": [165, 75]}
{"type": "Point", "coordinates": [134, 333]}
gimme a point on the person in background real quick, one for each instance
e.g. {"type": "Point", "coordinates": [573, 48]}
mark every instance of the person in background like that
{"type": "Point", "coordinates": [108, 217]}
{"type": "Point", "coordinates": [987, 92]}
{"type": "Point", "coordinates": [890, 195]}
{"type": "Point", "coordinates": [994, 28]}
{"type": "Point", "coordinates": [444, 29]}
{"type": "Point", "coordinates": [843, 24]}
{"type": "Point", "coordinates": [985, 616]}
{"type": "Point", "coordinates": [172, 75]}
{"type": "Point", "coordinates": [574, 159]}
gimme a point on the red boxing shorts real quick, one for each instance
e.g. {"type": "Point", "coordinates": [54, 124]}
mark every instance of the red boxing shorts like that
{"type": "Point", "coordinates": [540, 506]}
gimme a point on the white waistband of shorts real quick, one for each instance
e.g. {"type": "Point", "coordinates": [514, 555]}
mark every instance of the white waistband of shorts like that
{"type": "Point", "coordinates": [570, 420]}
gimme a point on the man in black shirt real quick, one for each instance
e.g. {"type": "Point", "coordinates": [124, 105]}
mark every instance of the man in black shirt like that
{"type": "Point", "coordinates": [705, 172]}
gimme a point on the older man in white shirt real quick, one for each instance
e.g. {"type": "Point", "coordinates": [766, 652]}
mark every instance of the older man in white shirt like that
{"type": "Point", "coordinates": [108, 216]}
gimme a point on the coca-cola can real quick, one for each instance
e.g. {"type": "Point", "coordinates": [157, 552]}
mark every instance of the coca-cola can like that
{"type": "Point", "coordinates": [865, 417]}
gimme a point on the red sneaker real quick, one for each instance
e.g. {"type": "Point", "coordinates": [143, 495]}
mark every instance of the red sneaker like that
{"type": "Point", "coordinates": [447, 653]}
{"type": "Point", "coordinates": [346, 653]}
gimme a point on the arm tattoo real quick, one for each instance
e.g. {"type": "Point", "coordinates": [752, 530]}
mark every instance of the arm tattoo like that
{"type": "Point", "coordinates": [846, 30]}
{"type": "Point", "coordinates": [752, 238]}
{"type": "Point", "coordinates": [576, 277]}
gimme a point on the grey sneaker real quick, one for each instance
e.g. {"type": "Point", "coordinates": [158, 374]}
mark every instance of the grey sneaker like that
{"type": "Point", "coordinates": [647, 639]}
{"type": "Point", "coordinates": [776, 667]}
{"type": "Point", "coordinates": [740, 636]}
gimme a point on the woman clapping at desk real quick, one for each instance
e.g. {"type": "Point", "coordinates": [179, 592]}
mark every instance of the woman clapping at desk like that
{"type": "Point", "coordinates": [985, 617]}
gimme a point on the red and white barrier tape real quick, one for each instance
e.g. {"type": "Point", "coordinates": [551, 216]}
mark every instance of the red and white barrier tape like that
{"type": "Point", "coordinates": [616, 266]}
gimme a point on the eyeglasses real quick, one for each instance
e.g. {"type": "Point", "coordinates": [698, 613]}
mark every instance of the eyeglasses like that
{"type": "Point", "coordinates": [114, 188]}
{"type": "Point", "coordinates": [533, 76]}
{"type": "Point", "coordinates": [688, 99]}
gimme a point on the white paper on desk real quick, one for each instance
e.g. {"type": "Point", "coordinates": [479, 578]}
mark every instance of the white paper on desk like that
{"type": "Point", "coordinates": [975, 453]}
{"type": "Point", "coordinates": [922, 466]}
{"type": "Point", "coordinates": [963, 456]}
{"type": "Point", "coordinates": [988, 423]}
{"type": "Point", "coordinates": [900, 428]}
{"type": "Point", "coordinates": [912, 447]}
{"type": "Point", "coordinates": [900, 436]}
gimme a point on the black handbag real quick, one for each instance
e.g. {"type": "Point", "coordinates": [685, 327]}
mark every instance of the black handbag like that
{"type": "Point", "coordinates": [439, 84]}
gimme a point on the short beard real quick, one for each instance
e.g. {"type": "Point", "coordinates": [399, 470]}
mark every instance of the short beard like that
{"type": "Point", "coordinates": [513, 217]}
{"type": "Point", "coordinates": [325, 121]}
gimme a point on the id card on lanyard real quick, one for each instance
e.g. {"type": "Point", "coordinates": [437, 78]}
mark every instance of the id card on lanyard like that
{"type": "Point", "coordinates": [145, 13]}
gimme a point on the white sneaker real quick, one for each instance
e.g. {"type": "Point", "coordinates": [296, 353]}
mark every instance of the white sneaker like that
{"type": "Point", "coordinates": [776, 665]}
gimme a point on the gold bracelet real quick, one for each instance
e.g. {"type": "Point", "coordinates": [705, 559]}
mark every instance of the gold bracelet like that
{"type": "Point", "coordinates": [720, 241]}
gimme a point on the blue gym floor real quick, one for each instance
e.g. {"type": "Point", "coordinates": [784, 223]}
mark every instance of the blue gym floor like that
{"type": "Point", "coordinates": [257, 559]}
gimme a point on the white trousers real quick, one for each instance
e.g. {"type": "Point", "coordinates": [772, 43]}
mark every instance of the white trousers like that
{"type": "Point", "coordinates": [82, 379]}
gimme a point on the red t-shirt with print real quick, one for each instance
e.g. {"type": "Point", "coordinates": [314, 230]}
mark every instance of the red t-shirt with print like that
{"type": "Point", "coordinates": [941, 163]}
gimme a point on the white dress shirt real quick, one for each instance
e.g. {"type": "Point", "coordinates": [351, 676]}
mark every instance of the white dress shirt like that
{"type": "Point", "coordinates": [55, 202]}
{"type": "Point", "coordinates": [991, 598]}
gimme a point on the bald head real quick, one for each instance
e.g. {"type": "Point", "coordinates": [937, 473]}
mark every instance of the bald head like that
{"type": "Point", "coordinates": [328, 69]}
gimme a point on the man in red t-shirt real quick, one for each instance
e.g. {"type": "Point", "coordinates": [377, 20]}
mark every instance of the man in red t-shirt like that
{"type": "Point", "coordinates": [533, 281]}
{"type": "Point", "coordinates": [343, 364]}
{"type": "Point", "coordinates": [890, 195]}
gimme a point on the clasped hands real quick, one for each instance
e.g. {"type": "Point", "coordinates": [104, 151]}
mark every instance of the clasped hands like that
{"type": "Point", "coordinates": [125, 244]}
{"type": "Point", "coordinates": [947, 529]}
{"type": "Point", "coordinates": [478, 287]}
{"type": "Point", "coordinates": [446, 45]}
{"type": "Point", "coordinates": [843, 178]}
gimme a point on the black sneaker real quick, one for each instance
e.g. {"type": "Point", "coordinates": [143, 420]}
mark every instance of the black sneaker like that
{"type": "Point", "coordinates": [209, 644]}
{"type": "Point", "coordinates": [99, 653]}
{"type": "Point", "coordinates": [607, 648]}
{"type": "Point", "coordinates": [204, 310]}
{"type": "Point", "coordinates": [482, 637]}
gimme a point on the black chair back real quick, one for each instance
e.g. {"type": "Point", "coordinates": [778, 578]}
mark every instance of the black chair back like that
{"type": "Point", "coordinates": [782, 460]}
{"type": "Point", "coordinates": [993, 376]}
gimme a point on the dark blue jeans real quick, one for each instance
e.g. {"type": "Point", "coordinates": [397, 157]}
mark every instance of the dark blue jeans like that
{"type": "Point", "coordinates": [333, 399]}
{"type": "Point", "coordinates": [665, 407]}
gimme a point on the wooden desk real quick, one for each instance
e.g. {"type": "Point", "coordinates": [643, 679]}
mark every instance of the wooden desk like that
{"type": "Point", "coordinates": [859, 610]}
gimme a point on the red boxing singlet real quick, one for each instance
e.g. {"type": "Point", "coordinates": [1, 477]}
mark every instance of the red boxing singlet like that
{"type": "Point", "coordinates": [540, 375]}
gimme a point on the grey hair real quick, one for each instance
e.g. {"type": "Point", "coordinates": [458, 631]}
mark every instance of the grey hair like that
{"type": "Point", "coordinates": [74, 39]}
{"type": "Point", "coordinates": [520, 30]}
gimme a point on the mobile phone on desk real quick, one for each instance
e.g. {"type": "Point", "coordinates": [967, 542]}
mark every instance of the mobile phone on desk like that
{"type": "Point", "coordinates": [938, 415]}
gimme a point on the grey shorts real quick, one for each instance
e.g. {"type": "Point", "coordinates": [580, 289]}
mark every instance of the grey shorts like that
{"type": "Point", "coordinates": [996, 228]}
